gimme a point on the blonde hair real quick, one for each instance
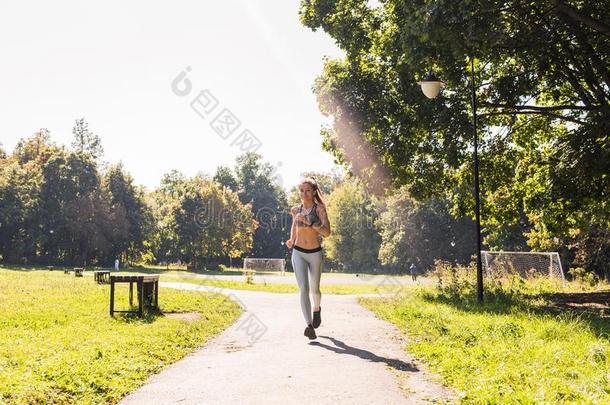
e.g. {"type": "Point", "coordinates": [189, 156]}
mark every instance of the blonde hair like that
{"type": "Point", "coordinates": [317, 193]}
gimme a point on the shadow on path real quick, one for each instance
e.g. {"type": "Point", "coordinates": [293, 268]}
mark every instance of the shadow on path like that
{"type": "Point", "coordinates": [341, 348]}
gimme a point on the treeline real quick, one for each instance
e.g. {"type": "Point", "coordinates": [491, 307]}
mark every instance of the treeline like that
{"type": "Point", "coordinates": [65, 206]}
{"type": "Point", "coordinates": [56, 207]}
{"type": "Point", "coordinates": [376, 234]}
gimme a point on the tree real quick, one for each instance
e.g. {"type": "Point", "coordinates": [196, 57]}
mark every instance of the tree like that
{"type": "Point", "coordinates": [224, 176]}
{"type": "Point", "coordinates": [539, 59]}
{"type": "Point", "coordinates": [132, 218]}
{"type": "Point", "coordinates": [354, 241]}
{"type": "Point", "coordinates": [257, 187]}
{"type": "Point", "coordinates": [420, 232]}
{"type": "Point", "coordinates": [55, 207]}
{"type": "Point", "coordinates": [18, 204]}
{"type": "Point", "coordinates": [72, 218]}
{"type": "Point", "coordinates": [239, 226]}
{"type": "Point", "coordinates": [34, 147]}
{"type": "Point", "coordinates": [543, 91]}
{"type": "Point", "coordinates": [208, 221]}
{"type": "Point", "coordinates": [86, 141]}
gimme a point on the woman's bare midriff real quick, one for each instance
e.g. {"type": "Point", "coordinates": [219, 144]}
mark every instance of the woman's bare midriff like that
{"type": "Point", "coordinates": [307, 238]}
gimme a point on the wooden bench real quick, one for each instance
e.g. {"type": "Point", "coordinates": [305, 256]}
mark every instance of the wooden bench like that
{"type": "Point", "coordinates": [101, 276]}
{"type": "Point", "coordinates": [148, 291]}
{"type": "Point", "coordinates": [50, 268]}
{"type": "Point", "coordinates": [78, 271]}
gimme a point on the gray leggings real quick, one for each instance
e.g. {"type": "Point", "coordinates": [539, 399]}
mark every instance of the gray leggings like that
{"type": "Point", "coordinates": [300, 263]}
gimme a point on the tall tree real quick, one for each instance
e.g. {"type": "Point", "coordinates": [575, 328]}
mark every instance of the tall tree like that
{"type": "Point", "coordinates": [354, 241]}
{"type": "Point", "coordinates": [132, 217]}
{"type": "Point", "coordinates": [209, 222]}
{"type": "Point", "coordinates": [70, 204]}
{"type": "Point", "coordinates": [225, 177]}
{"type": "Point", "coordinates": [269, 204]}
{"type": "Point", "coordinates": [534, 59]}
{"type": "Point", "coordinates": [86, 141]}
{"type": "Point", "coordinates": [34, 147]}
{"type": "Point", "coordinates": [421, 231]}
{"type": "Point", "coordinates": [18, 205]}
{"type": "Point", "coordinates": [543, 90]}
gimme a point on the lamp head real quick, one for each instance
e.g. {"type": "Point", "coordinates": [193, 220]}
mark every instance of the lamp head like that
{"type": "Point", "coordinates": [431, 85]}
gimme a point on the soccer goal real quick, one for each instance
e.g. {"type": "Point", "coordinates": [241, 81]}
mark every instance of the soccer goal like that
{"type": "Point", "coordinates": [526, 264]}
{"type": "Point", "coordinates": [256, 263]}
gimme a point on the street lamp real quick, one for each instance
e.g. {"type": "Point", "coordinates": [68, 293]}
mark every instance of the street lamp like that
{"type": "Point", "coordinates": [431, 87]}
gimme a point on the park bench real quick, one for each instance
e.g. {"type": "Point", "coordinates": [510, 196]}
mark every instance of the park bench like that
{"type": "Point", "coordinates": [101, 276]}
{"type": "Point", "coordinates": [50, 268]}
{"type": "Point", "coordinates": [147, 290]}
{"type": "Point", "coordinates": [78, 271]}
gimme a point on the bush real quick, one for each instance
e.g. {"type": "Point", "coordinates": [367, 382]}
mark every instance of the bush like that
{"type": "Point", "coordinates": [584, 277]}
{"type": "Point", "coordinates": [459, 282]}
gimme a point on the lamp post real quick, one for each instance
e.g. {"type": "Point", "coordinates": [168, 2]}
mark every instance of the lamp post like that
{"type": "Point", "coordinates": [431, 87]}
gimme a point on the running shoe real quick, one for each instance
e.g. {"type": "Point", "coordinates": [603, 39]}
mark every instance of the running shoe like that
{"type": "Point", "coordinates": [310, 332]}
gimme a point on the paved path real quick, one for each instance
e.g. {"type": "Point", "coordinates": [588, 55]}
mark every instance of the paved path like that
{"type": "Point", "coordinates": [263, 358]}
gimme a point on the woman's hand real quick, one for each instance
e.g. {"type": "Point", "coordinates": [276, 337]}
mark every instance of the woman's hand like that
{"type": "Point", "coordinates": [289, 243]}
{"type": "Point", "coordinates": [302, 218]}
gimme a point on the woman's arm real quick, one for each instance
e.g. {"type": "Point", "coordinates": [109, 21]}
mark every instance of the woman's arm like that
{"type": "Point", "coordinates": [324, 227]}
{"type": "Point", "coordinates": [293, 229]}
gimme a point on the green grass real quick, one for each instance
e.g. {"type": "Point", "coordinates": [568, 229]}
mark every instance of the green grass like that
{"type": "Point", "coordinates": [280, 288]}
{"type": "Point", "coordinates": [513, 349]}
{"type": "Point", "coordinates": [237, 271]}
{"type": "Point", "coordinates": [185, 276]}
{"type": "Point", "coordinates": [59, 345]}
{"type": "Point", "coordinates": [181, 271]}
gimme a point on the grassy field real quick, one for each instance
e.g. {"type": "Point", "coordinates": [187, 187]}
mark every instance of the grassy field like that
{"type": "Point", "coordinates": [525, 345]}
{"type": "Point", "coordinates": [59, 345]}
{"type": "Point", "coordinates": [280, 288]}
{"type": "Point", "coordinates": [528, 343]}
{"type": "Point", "coordinates": [237, 271]}
{"type": "Point", "coordinates": [189, 276]}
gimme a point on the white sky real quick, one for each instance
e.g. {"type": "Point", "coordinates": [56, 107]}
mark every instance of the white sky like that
{"type": "Point", "coordinates": [113, 63]}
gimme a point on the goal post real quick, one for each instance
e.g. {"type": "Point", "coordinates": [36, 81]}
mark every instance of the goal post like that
{"type": "Point", "coordinates": [526, 264]}
{"type": "Point", "coordinates": [265, 264]}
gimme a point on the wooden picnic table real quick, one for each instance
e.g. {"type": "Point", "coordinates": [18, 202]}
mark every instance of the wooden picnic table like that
{"type": "Point", "coordinates": [148, 291]}
{"type": "Point", "coordinates": [101, 276]}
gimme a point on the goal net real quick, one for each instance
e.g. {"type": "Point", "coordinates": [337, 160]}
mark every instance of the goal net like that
{"type": "Point", "coordinates": [526, 264]}
{"type": "Point", "coordinates": [265, 264]}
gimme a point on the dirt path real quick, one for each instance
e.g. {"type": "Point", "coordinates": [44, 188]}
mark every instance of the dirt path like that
{"type": "Point", "coordinates": [263, 358]}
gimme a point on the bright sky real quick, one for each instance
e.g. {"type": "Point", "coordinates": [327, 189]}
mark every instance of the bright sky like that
{"type": "Point", "coordinates": [114, 62]}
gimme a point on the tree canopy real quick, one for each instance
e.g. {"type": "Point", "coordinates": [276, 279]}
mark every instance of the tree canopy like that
{"type": "Point", "coordinates": [543, 90]}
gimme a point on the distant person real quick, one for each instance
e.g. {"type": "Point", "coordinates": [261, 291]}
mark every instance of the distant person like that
{"type": "Point", "coordinates": [309, 223]}
{"type": "Point", "coordinates": [116, 264]}
{"type": "Point", "coordinates": [413, 270]}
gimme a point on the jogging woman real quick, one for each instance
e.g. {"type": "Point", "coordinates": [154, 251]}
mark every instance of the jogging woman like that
{"type": "Point", "coordinates": [309, 223]}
